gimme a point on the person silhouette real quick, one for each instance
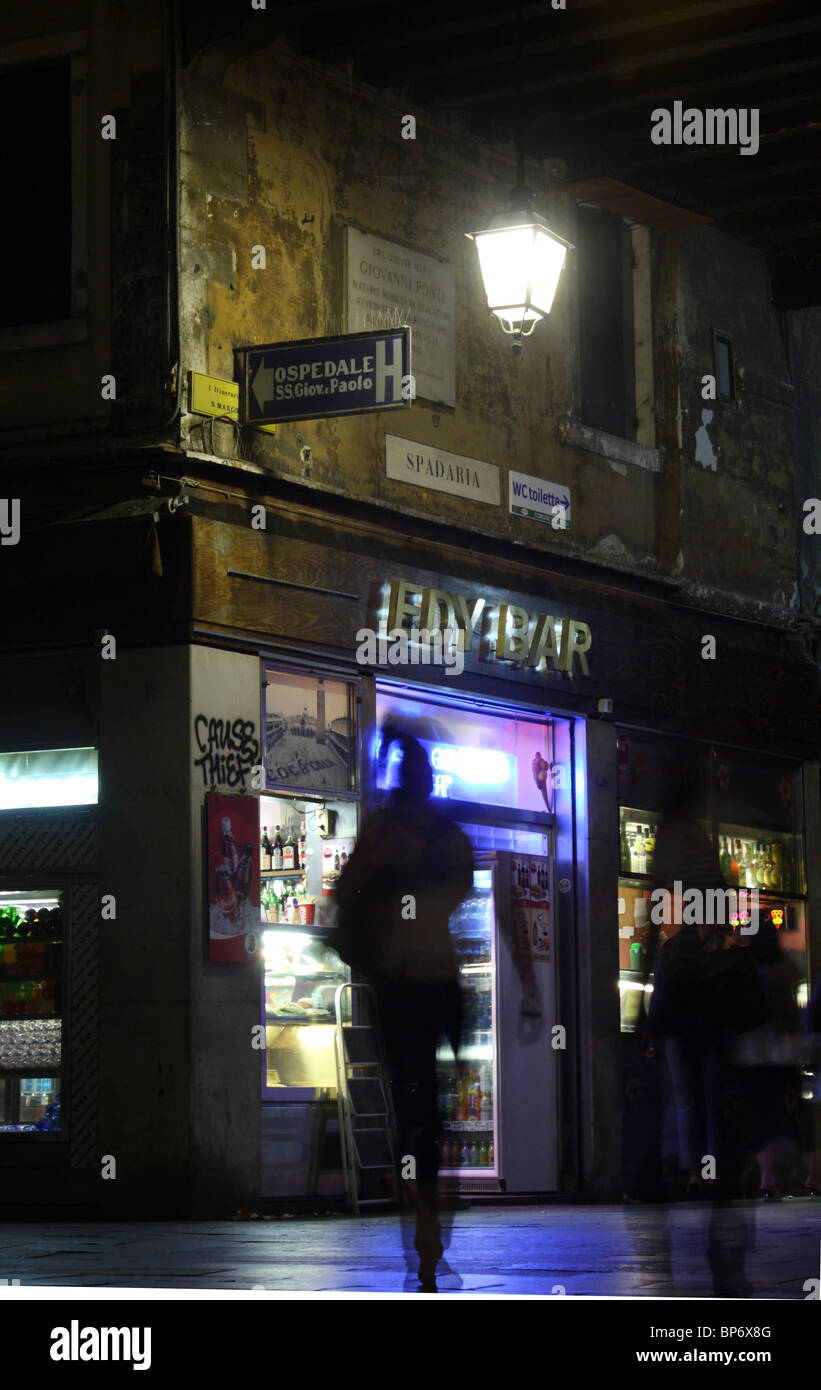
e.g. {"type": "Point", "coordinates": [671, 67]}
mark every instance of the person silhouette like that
{"type": "Point", "coordinates": [409, 870]}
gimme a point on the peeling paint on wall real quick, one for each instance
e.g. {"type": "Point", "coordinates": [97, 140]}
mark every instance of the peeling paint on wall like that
{"type": "Point", "coordinates": [705, 454]}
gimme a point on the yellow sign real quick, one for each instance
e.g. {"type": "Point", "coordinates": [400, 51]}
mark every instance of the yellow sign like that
{"type": "Point", "coordinates": [208, 395]}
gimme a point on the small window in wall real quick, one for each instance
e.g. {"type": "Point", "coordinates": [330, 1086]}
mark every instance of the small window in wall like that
{"type": "Point", "coordinates": [725, 377]}
{"type": "Point", "coordinates": [310, 733]}
{"type": "Point", "coordinates": [606, 349]}
{"type": "Point", "coordinates": [36, 101]}
{"type": "Point", "coordinates": [48, 777]}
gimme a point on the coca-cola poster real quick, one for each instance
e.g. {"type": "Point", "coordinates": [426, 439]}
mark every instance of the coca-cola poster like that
{"type": "Point", "coordinates": [233, 877]}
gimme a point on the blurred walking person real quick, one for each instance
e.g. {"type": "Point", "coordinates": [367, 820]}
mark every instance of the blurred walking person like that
{"type": "Point", "coordinates": [410, 869]}
{"type": "Point", "coordinates": [705, 993]}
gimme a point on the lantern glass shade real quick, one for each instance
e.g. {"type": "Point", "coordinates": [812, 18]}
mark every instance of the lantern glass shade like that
{"type": "Point", "coordinates": [521, 260]}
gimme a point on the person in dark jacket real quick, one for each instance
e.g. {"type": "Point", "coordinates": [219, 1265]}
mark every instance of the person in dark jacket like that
{"type": "Point", "coordinates": [706, 992]}
{"type": "Point", "coordinates": [409, 871]}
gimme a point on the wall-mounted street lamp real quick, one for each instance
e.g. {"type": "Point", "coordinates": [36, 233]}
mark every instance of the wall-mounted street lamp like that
{"type": "Point", "coordinates": [521, 260]}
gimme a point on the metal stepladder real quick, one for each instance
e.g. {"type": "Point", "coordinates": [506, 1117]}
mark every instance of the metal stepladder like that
{"type": "Point", "coordinates": [367, 1124]}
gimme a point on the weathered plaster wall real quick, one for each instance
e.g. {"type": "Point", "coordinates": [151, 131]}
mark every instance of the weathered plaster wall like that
{"type": "Point", "coordinates": [282, 155]}
{"type": "Point", "coordinates": [739, 522]}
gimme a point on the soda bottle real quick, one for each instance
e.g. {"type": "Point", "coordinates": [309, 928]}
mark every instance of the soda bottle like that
{"type": "Point", "coordinates": [474, 1156]}
{"type": "Point", "coordinates": [230, 853]}
{"type": "Point", "coordinates": [490, 1155]}
{"type": "Point", "coordinates": [243, 875]}
{"type": "Point", "coordinates": [226, 892]}
{"type": "Point", "coordinates": [465, 1156]}
{"type": "Point", "coordinates": [463, 1111]}
{"type": "Point", "coordinates": [483, 1155]}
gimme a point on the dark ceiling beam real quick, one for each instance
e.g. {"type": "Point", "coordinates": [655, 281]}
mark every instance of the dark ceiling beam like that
{"type": "Point", "coordinates": [414, 36]}
{"type": "Point", "coordinates": [593, 39]}
{"type": "Point", "coordinates": [592, 36]}
{"type": "Point", "coordinates": [624, 151]}
{"type": "Point", "coordinates": [644, 104]}
{"type": "Point", "coordinates": [738, 207]}
{"type": "Point", "coordinates": [672, 59]}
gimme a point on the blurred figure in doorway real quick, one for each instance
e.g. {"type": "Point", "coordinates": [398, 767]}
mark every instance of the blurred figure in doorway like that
{"type": "Point", "coordinates": [410, 869]}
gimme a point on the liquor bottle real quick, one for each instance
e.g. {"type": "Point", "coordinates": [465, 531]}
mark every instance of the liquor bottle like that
{"type": "Point", "coordinates": [265, 852]}
{"type": "Point", "coordinates": [289, 852]}
{"type": "Point", "coordinates": [649, 850]}
{"type": "Point", "coordinates": [743, 866]}
{"type": "Point", "coordinates": [343, 859]}
{"type": "Point", "coordinates": [778, 865]}
{"type": "Point", "coordinates": [301, 846]}
{"type": "Point", "coordinates": [336, 862]}
{"type": "Point", "coordinates": [734, 869]}
{"type": "Point", "coordinates": [624, 849]}
{"type": "Point", "coordinates": [276, 853]}
{"type": "Point", "coordinates": [759, 865]}
{"type": "Point", "coordinates": [640, 853]}
{"type": "Point", "coordinates": [724, 861]}
{"type": "Point", "coordinates": [243, 876]}
{"type": "Point", "coordinates": [230, 853]}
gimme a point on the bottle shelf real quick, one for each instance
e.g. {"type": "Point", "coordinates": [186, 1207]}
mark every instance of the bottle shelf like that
{"type": "Point", "coordinates": [282, 873]}
{"type": "Point", "coordinates": [469, 1126]}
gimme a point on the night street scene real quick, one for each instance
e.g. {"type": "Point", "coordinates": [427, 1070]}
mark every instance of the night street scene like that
{"type": "Point", "coordinates": [410, 812]}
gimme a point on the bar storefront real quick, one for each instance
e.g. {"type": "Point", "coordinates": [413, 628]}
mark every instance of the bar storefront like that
{"type": "Point", "coordinates": [552, 723]}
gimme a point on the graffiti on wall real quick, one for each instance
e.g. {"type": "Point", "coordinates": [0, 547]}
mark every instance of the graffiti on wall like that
{"type": "Point", "coordinates": [228, 750]}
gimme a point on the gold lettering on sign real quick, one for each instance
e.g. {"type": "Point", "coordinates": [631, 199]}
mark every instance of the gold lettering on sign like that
{"type": "Point", "coordinates": [467, 619]}
{"type": "Point", "coordinates": [398, 606]}
{"type": "Point", "coordinates": [437, 610]}
{"type": "Point", "coordinates": [580, 644]}
{"type": "Point", "coordinates": [543, 644]}
{"type": "Point", "coordinates": [553, 644]}
{"type": "Point", "coordinates": [510, 645]}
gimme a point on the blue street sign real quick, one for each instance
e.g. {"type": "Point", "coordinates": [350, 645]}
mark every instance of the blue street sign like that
{"type": "Point", "coordinates": [317, 377]}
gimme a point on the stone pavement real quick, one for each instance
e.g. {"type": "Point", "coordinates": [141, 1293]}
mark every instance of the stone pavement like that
{"type": "Point", "coordinates": [493, 1250]}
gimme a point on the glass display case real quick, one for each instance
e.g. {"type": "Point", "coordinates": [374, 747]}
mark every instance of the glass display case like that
{"type": "Point", "coordinates": [467, 1097]}
{"type": "Point", "coordinates": [301, 975]}
{"type": "Point", "coordinates": [31, 984]}
{"type": "Point", "coordinates": [752, 858]}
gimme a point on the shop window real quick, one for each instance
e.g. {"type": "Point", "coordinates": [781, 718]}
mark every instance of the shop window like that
{"type": "Point", "coordinates": [31, 991]}
{"type": "Point", "coordinates": [45, 298]}
{"type": "Point", "coordinates": [49, 777]}
{"type": "Point", "coordinates": [310, 733]}
{"type": "Point", "coordinates": [723, 351]}
{"type": "Point", "coordinates": [485, 759]}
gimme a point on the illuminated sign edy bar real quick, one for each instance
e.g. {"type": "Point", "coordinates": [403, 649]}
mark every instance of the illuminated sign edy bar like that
{"type": "Point", "coordinates": [503, 631]}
